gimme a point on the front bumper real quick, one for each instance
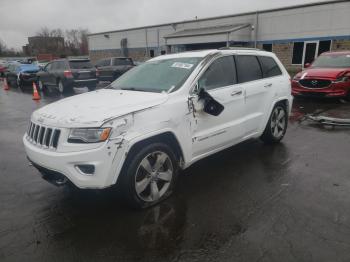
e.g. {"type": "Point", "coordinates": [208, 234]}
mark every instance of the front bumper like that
{"type": "Point", "coordinates": [334, 90]}
{"type": "Point", "coordinates": [107, 160]}
{"type": "Point", "coordinates": [28, 79]}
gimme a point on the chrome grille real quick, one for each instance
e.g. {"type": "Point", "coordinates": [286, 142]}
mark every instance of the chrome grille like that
{"type": "Point", "coordinates": [43, 136]}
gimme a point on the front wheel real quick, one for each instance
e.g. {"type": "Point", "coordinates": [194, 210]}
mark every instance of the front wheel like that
{"type": "Point", "coordinates": [41, 86]}
{"type": "Point", "coordinates": [149, 176]}
{"type": "Point", "coordinates": [276, 126]}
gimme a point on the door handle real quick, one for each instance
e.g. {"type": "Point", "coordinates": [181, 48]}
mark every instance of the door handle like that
{"type": "Point", "coordinates": [236, 93]}
{"type": "Point", "coordinates": [268, 85]}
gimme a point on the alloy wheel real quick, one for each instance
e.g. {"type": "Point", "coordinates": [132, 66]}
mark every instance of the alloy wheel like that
{"type": "Point", "coordinates": [41, 86]}
{"type": "Point", "coordinates": [278, 122]}
{"type": "Point", "coordinates": [153, 176]}
{"type": "Point", "coordinates": [60, 87]}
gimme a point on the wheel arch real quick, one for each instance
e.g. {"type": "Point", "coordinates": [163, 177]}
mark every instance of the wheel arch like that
{"type": "Point", "coordinates": [166, 137]}
{"type": "Point", "coordinates": [282, 100]}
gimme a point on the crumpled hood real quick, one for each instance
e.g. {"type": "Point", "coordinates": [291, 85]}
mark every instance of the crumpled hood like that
{"type": "Point", "coordinates": [328, 73]}
{"type": "Point", "coordinates": [92, 109]}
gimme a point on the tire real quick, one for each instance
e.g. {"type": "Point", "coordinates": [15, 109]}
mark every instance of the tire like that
{"type": "Point", "coordinates": [41, 86]}
{"type": "Point", "coordinates": [92, 88]}
{"type": "Point", "coordinates": [62, 88]}
{"type": "Point", "coordinates": [276, 126]}
{"type": "Point", "coordinates": [145, 181]}
{"type": "Point", "coordinates": [19, 84]}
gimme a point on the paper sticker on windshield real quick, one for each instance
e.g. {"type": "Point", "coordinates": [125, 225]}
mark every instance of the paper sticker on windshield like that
{"type": "Point", "coordinates": [182, 65]}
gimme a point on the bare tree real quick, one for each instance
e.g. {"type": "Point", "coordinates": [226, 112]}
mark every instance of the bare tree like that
{"type": "Point", "coordinates": [76, 41]}
{"type": "Point", "coordinates": [44, 31]}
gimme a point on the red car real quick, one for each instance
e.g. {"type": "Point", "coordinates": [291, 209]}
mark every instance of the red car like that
{"type": "Point", "coordinates": [327, 76]}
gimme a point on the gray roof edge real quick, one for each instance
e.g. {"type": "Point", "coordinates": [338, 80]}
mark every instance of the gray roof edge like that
{"type": "Point", "coordinates": [226, 16]}
{"type": "Point", "coordinates": [233, 29]}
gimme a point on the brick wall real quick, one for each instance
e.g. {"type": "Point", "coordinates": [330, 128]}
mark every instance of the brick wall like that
{"type": "Point", "coordinates": [99, 54]}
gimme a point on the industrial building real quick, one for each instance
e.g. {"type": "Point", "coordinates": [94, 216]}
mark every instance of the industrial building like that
{"type": "Point", "coordinates": [297, 34]}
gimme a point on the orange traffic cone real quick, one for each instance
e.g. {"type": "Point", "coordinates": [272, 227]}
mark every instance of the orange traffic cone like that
{"type": "Point", "coordinates": [36, 95]}
{"type": "Point", "coordinates": [6, 85]}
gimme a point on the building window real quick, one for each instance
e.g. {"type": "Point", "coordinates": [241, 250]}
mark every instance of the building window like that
{"type": "Point", "coordinates": [267, 47]}
{"type": "Point", "coordinates": [324, 46]}
{"type": "Point", "coordinates": [298, 49]}
{"type": "Point", "coordinates": [151, 53]}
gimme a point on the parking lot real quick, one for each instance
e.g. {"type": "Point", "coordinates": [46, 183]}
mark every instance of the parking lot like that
{"type": "Point", "coordinates": [252, 202]}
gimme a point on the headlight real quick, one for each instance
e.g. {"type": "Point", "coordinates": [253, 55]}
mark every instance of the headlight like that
{"type": "Point", "coordinates": [89, 135]}
{"type": "Point", "coordinates": [342, 79]}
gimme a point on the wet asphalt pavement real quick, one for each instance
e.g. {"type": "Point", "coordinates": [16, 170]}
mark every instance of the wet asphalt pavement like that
{"type": "Point", "coordinates": [288, 202]}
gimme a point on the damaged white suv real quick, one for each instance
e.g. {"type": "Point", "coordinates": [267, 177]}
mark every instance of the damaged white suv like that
{"type": "Point", "coordinates": [159, 118]}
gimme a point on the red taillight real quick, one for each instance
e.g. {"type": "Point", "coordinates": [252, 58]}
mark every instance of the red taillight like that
{"type": "Point", "coordinates": [68, 74]}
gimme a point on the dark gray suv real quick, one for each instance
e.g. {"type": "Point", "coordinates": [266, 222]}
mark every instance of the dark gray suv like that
{"type": "Point", "coordinates": [111, 68]}
{"type": "Point", "coordinates": [64, 74]}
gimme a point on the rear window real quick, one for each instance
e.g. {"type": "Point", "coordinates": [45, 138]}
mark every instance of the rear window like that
{"type": "Point", "coordinates": [248, 68]}
{"type": "Point", "coordinates": [123, 61]}
{"type": "Point", "coordinates": [269, 66]}
{"type": "Point", "coordinates": [80, 64]}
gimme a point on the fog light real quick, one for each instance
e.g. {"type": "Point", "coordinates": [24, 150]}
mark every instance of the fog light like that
{"type": "Point", "coordinates": [86, 169]}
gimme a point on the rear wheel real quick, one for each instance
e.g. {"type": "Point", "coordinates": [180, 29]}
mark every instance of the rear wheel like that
{"type": "Point", "coordinates": [276, 126]}
{"type": "Point", "coordinates": [149, 176]}
{"type": "Point", "coordinates": [61, 87]}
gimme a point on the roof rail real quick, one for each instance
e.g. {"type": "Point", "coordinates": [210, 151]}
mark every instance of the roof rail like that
{"type": "Point", "coordinates": [238, 48]}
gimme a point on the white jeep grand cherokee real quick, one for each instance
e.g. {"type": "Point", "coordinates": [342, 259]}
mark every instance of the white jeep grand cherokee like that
{"type": "Point", "coordinates": [158, 118]}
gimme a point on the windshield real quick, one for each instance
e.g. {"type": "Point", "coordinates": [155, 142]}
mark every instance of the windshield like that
{"type": "Point", "coordinates": [332, 61]}
{"type": "Point", "coordinates": [157, 76]}
{"type": "Point", "coordinates": [123, 61]}
{"type": "Point", "coordinates": [80, 64]}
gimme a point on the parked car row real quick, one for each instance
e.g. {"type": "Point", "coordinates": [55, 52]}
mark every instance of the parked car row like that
{"type": "Point", "coordinates": [327, 76]}
{"type": "Point", "coordinates": [64, 74]}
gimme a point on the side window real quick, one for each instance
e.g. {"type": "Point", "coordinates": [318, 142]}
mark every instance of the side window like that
{"type": "Point", "coordinates": [219, 74]}
{"type": "Point", "coordinates": [104, 62]}
{"type": "Point", "coordinates": [59, 65]}
{"type": "Point", "coordinates": [54, 66]}
{"type": "Point", "coordinates": [269, 66]}
{"type": "Point", "coordinates": [48, 67]}
{"type": "Point", "coordinates": [248, 68]}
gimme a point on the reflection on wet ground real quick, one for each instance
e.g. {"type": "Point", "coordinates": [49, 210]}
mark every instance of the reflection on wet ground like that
{"type": "Point", "coordinates": [252, 202]}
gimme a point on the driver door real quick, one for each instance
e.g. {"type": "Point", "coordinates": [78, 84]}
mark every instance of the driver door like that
{"type": "Point", "coordinates": [211, 132]}
{"type": "Point", "coordinates": [44, 75]}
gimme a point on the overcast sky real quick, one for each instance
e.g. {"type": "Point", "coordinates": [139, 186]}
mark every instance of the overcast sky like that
{"type": "Point", "coordinates": [22, 18]}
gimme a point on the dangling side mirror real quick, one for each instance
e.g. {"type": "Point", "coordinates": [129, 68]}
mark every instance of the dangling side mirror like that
{"type": "Point", "coordinates": [211, 106]}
